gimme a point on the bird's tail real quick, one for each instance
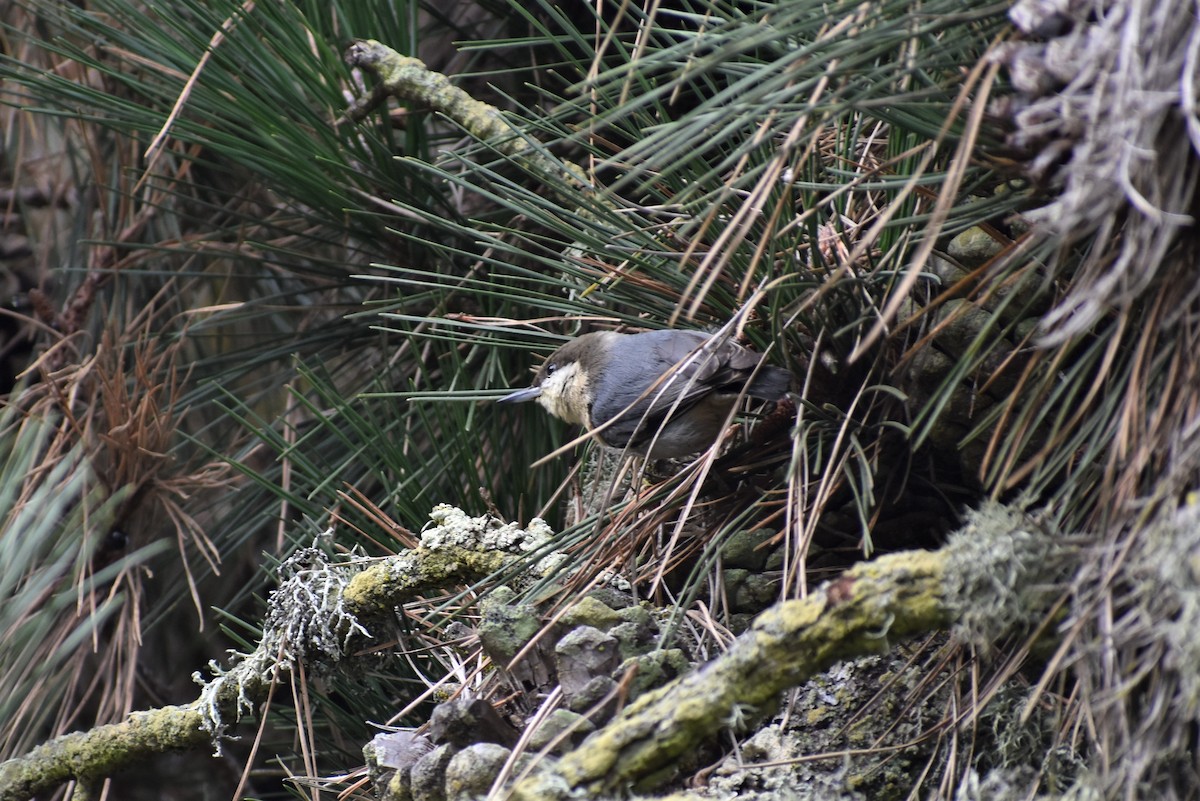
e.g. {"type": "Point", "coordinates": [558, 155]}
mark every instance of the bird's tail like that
{"type": "Point", "coordinates": [770, 383]}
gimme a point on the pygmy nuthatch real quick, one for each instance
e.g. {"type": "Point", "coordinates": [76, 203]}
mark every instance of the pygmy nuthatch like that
{"type": "Point", "coordinates": [662, 394]}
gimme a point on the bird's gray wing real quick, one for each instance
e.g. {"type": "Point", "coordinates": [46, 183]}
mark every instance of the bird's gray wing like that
{"type": "Point", "coordinates": [726, 366]}
{"type": "Point", "coordinates": [635, 403]}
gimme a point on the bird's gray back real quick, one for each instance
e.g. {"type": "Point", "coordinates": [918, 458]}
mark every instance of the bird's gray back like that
{"type": "Point", "coordinates": [633, 390]}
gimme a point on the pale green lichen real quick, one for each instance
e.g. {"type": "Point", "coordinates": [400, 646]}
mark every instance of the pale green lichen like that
{"type": "Point", "coordinates": [1001, 573]}
{"type": "Point", "coordinates": [1138, 661]}
{"type": "Point", "coordinates": [1168, 568]}
{"type": "Point", "coordinates": [410, 79]}
{"type": "Point", "coordinates": [451, 526]}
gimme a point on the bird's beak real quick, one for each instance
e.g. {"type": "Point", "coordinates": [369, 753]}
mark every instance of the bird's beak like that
{"type": "Point", "coordinates": [521, 395]}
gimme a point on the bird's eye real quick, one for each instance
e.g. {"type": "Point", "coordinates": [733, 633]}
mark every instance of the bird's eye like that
{"type": "Point", "coordinates": [550, 368]}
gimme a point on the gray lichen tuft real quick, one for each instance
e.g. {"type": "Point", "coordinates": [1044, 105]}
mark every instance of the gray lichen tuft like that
{"type": "Point", "coordinates": [1002, 573]}
{"type": "Point", "coordinates": [306, 622]}
{"type": "Point", "coordinates": [1168, 567]}
{"type": "Point", "coordinates": [1136, 656]}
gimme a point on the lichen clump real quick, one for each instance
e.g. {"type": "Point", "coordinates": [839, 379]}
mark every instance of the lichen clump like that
{"type": "Point", "coordinates": [1002, 573]}
{"type": "Point", "coordinates": [307, 621]}
{"type": "Point", "coordinates": [452, 527]}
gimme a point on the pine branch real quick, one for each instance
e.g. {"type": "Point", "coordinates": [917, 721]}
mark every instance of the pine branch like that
{"type": "Point", "coordinates": [862, 612]}
{"type": "Point", "coordinates": [90, 755]}
{"type": "Point", "coordinates": [994, 575]}
{"type": "Point", "coordinates": [407, 78]}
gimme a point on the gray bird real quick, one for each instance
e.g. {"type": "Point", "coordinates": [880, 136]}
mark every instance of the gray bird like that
{"type": "Point", "coordinates": [662, 394]}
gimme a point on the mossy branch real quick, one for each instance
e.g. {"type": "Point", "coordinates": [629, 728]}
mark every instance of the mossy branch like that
{"type": "Point", "coordinates": [311, 618]}
{"type": "Point", "coordinates": [408, 79]}
{"type": "Point", "coordinates": [382, 587]}
{"type": "Point", "coordinates": [863, 612]}
{"type": "Point", "coordinates": [995, 574]}
{"type": "Point", "coordinates": [105, 750]}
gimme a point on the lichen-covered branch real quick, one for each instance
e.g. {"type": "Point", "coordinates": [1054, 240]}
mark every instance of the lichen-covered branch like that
{"type": "Point", "coordinates": [102, 751]}
{"type": "Point", "coordinates": [320, 606]}
{"type": "Point", "coordinates": [997, 573]}
{"type": "Point", "coordinates": [407, 78]}
{"type": "Point", "coordinates": [386, 585]}
{"type": "Point", "coordinates": [311, 618]}
{"type": "Point", "coordinates": [995, 566]}
{"type": "Point", "coordinates": [863, 612]}
{"type": "Point", "coordinates": [457, 549]}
